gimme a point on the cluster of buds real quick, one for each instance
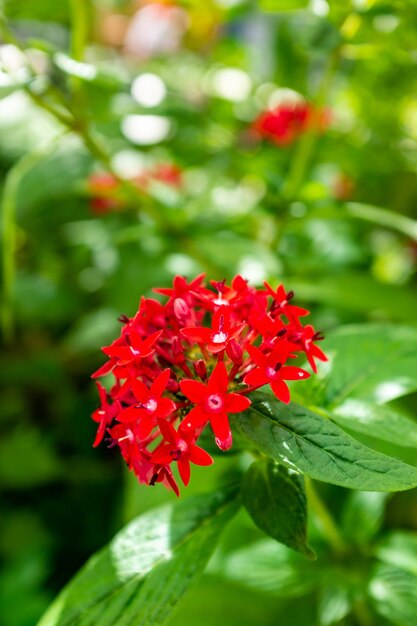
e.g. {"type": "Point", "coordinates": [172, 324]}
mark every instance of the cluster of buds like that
{"type": "Point", "coordinates": [288, 121]}
{"type": "Point", "coordinates": [104, 188]}
{"type": "Point", "coordinates": [191, 362]}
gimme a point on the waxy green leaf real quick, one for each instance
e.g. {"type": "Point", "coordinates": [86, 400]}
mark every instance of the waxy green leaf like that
{"type": "Point", "coordinates": [147, 568]}
{"type": "Point", "coordinates": [375, 363]}
{"type": "Point", "coordinates": [378, 421]}
{"type": "Point", "coordinates": [275, 499]}
{"type": "Point", "coordinates": [311, 444]}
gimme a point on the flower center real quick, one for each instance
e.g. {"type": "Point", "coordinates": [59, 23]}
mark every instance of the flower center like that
{"type": "Point", "coordinates": [219, 337]}
{"type": "Point", "coordinates": [214, 402]}
{"type": "Point", "coordinates": [270, 372]}
{"type": "Point", "coordinates": [181, 448]}
{"type": "Point", "coordinates": [151, 405]}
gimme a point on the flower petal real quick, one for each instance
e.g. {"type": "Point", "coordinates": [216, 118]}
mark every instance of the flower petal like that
{"type": "Point", "coordinates": [281, 391]}
{"type": "Point", "coordinates": [223, 434]}
{"type": "Point", "coordinates": [184, 470]}
{"type": "Point", "coordinates": [198, 456]}
{"type": "Point", "coordinates": [290, 372]}
{"type": "Point", "coordinates": [235, 403]}
{"type": "Point", "coordinates": [218, 380]}
{"type": "Point", "coordinates": [165, 408]}
{"type": "Point", "coordinates": [159, 384]}
{"type": "Point", "coordinates": [193, 389]}
{"type": "Point", "coordinates": [256, 377]}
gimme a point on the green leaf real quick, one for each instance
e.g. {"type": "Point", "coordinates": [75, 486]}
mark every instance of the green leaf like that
{"type": "Point", "coordinates": [275, 499]}
{"type": "Point", "coordinates": [399, 549]}
{"type": "Point", "coordinates": [147, 568]}
{"type": "Point", "coordinates": [393, 593]}
{"type": "Point", "coordinates": [363, 514]}
{"type": "Point", "coordinates": [334, 604]}
{"type": "Point", "coordinates": [378, 421]}
{"type": "Point", "coordinates": [311, 444]}
{"type": "Point", "coordinates": [272, 568]}
{"type": "Point", "coordinates": [360, 293]}
{"type": "Point", "coordinates": [371, 362]}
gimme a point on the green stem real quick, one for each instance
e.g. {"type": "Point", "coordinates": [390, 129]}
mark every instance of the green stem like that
{"type": "Point", "coordinates": [79, 31]}
{"type": "Point", "coordinates": [9, 238]}
{"type": "Point", "coordinates": [363, 614]}
{"type": "Point", "coordinates": [326, 521]}
{"type": "Point", "coordinates": [307, 144]}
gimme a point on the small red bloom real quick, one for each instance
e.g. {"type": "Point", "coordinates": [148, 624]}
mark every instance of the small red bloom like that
{"type": "Point", "coordinates": [104, 415]}
{"type": "Point", "coordinates": [286, 122]}
{"type": "Point", "coordinates": [135, 349]}
{"type": "Point", "coordinates": [281, 302]}
{"type": "Point", "coordinates": [180, 447]}
{"type": "Point", "coordinates": [270, 370]}
{"type": "Point", "coordinates": [218, 336]}
{"type": "Point", "coordinates": [213, 405]}
{"type": "Point", "coordinates": [181, 289]}
{"type": "Point", "coordinates": [150, 406]}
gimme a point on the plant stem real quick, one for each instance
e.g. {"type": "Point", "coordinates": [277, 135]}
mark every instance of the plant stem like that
{"type": "Point", "coordinates": [306, 146]}
{"type": "Point", "coordinates": [79, 34]}
{"type": "Point", "coordinates": [326, 521]}
{"type": "Point", "coordinates": [8, 235]}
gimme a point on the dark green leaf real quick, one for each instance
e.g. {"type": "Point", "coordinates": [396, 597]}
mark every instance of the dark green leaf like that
{"type": "Point", "coordinates": [147, 568]}
{"type": "Point", "coordinates": [311, 444]}
{"type": "Point", "coordinates": [275, 499]}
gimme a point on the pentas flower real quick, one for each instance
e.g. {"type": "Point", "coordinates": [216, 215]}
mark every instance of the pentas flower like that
{"type": "Point", "coordinates": [213, 404]}
{"type": "Point", "coordinates": [219, 335]}
{"type": "Point", "coordinates": [186, 364]}
{"type": "Point", "coordinates": [179, 447]}
{"type": "Point", "coordinates": [288, 121]}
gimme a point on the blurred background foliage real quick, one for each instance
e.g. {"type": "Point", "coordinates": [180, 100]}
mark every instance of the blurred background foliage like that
{"type": "Point", "coordinates": [127, 155]}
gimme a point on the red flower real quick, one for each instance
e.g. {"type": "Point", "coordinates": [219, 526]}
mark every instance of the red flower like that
{"type": "Point", "coordinates": [104, 415]}
{"type": "Point", "coordinates": [162, 343]}
{"type": "Point", "coordinates": [305, 337]}
{"type": "Point", "coordinates": [213, 405]}
{"type": "Point", "coordinates": [281, 302]}
{"type": "Point", "coordinates": [136, 349]}
{"type": "Point", "coordinates": [103, 188]}
{"type": "Point", "coordinates": [180, 447]}
{"type": "Point", "coordinates": [151, 405]}
{"type": "Point", "coordinates": [286, 122]}
{"type": "Point", "coordinates": [270, 370]}
{"type": "Point", "coordinates": [181, 289]}
{"type": "Point", "coordinates": [218, 336]}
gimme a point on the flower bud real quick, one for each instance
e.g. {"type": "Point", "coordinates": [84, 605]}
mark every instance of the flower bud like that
{"type": "Point", "coordinates": [200, 369]}
{"type": "Point", "coordinates": [181, 308]}
{"type": "Point", "coordinates": [234, 352]}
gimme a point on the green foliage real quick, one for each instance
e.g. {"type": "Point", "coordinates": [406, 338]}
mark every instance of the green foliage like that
{"type": "Point", "coordinates": [275, 499]}
{"type": "Point", "coordinates": [148, 566]}
{"type": "Point", "coordinates": [307, 442]}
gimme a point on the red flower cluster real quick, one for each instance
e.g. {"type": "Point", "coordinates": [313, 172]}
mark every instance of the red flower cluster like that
{"type": "Point", "coordinates": [191, 362]}
{"type": "Point", "coordinates": [105, 192]}
{"type": "Point", "coordinates": [286, 122]}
